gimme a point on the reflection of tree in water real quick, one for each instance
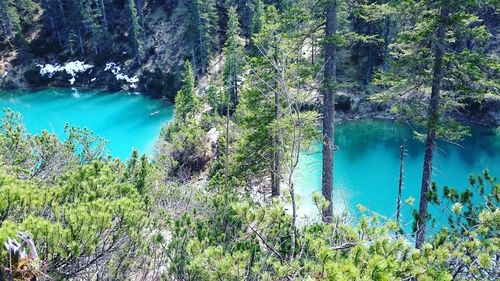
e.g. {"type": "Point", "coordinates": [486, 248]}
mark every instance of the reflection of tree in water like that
{"type": "Point", "coordinates": [483, 141]}
{"type": "Point", "coordinates": [356, 138]}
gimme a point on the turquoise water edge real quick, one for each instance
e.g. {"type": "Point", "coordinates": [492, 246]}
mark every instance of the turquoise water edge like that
{"type": "Point", "coordinates": [367, 167]}
{"type": "Point", "coordinates": [124, 119]}
{"type": "Point", "coordinates": [366, 161]}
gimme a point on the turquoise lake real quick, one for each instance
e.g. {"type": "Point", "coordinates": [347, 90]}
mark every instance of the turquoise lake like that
{"type": "Point", "coordinates": [124, 119]}
{"type": "Point", "coordinates": [366, 162]}
{"type": "Point", "coordinates": [367, 167]}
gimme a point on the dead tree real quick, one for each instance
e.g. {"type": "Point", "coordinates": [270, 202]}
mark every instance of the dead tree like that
{"type": "Point", "coordinates": [400, 187]}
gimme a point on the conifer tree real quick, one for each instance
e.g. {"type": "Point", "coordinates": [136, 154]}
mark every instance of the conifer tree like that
{"type": "Point", "coordinates": [433, 72]}
{"type": "Point", "coordinates": [102, 13]}
{"type": "Point", "coordinates": [74, 9]}
{"type": "Point", "coordinates": [200, 33]}
{"type": "Point", "coordinates": [235, 57]}
{"type": "Point", "coordinates": [232, 72]}
{"type": "Point", "coordinates": [55, 17]}
{"type": "Point", "coordinates": [329, 108]}
{"type": "Point", "coordinates": [186, 101]}
{"type": "Point", "coordinates": [134, 29]}
{"type": "Point", "coordinates": [10, 22]}
{"type": "Point", "coordinates": [89, 20]}
{"type": "Point", "coordinates": [257, 16]}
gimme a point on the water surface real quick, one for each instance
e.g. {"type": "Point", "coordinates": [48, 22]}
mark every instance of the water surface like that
{"type": "Point", "coordinates": [366, 161]}
{"type": "Point", "coordinates": [367, 166]}
{"type": "Point", "coordinates": [123, 118]}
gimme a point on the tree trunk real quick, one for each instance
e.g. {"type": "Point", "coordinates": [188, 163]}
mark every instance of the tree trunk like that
{"type": "Point", "coordinates": [226, 168]}
{"type": "Point", "coordinates": [104, 18]}
{"type": "Point", "coordinates": [228, 106]}
{"type": "Point", "coordinates": [369, 68]}
{"type": "Point", "coordinates": [193, 61]}
{"type": "Point", "coordinates": [387, 26]}
{"type": "Point", "coordinates": [80, 41]}
{"type": "Point", "coordinates": [276, 169]}
{"type": "Point", "coordinates": [139, 4]}
{"type": "Point", "coordinates": [202, 47]}
{"type": "Point", "coordinates": [55, 30]}
{"type": "Point", "coordinates": [313, 42]}
{"type": "Point", "coordinates": [433, 123]}
{"type": "Point", "coordinates": [400, 187]}
{"type": "Point", "coordinates": [329, 110]}
{"type": "Point", "coordinates": [65, 27]}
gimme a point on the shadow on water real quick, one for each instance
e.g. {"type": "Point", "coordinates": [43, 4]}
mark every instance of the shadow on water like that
{"type": "Point", "coordinates": [355, 139]}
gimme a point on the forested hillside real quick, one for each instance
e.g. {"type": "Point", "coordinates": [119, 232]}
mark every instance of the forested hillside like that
{"type": "Point", "coordinates": [149, 40]}
{"type": "Point", "coordinates": [255, 85]}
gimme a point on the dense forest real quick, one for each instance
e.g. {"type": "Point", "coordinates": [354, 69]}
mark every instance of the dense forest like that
{"type": "Point", "coordinates": [254, 83]}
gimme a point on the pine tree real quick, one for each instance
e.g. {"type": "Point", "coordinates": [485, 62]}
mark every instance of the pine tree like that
{"type": "Point", "coordinates": [90, 21]}
{"type": "Point", "coordinates": [257, 16]}
{"type": "Point", "coordinates": [371, 23]}
{"type": "Point", "coordinates": [329, 108]}
{"type": "Point", "coordinates": [55, 18]}
{"type": "Point", "coordinates": [433, 72]}
{"type": "Point", "coordinates": [186, 101]}
{"type": "Point", "coordinates": [102, 13]}
{"type": "Point", "coordinates": [232, 72]}
{"type": "Point", "coordinates": [10, 22]}
{"type": "Point", "coordinates": [235, 59]}
{"type": "Point", "coordinates": [198, 22]}
{"type": "Point", "coordinates": [275, 87]}
{"type": "Point", "coordinates": [74, 9]}
{"type": "Point", "coordinates": [134, 29]}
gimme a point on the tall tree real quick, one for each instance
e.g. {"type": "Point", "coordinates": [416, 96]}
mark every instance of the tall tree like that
{"type": "Point", "coordinates": [10, 22]}
{"type": "Point", "coordinates": [257, 16]}
{"type": "Point", "coordinates": [433, 121]}
{"type": "Point", "coordinates": [400, 184]}
{"type": "Point", "coordinates": [134, 29]}
{"type": "Point", "coordinates": [57, 18]}
{"type": "Point", "coordinates": [234, 58]}
{"type": "Point", "coordinates": [90, 22]}
{"type": "Point", "coordinates": [200, 33]}
{"type": "Point", "coordinates": [433, 73]}
{"type": "Point", "coordinates": [74, 9]}
{"type": "Point", "coordinates": [270, 112]}
{"type": "Point", "coordinates": [232, 72]}
{"type": "Point", "coordinates": [329, 108]}
{"type": "Point", "coordinates": [102, 12]}
{"type": "Point", "coordinates": [186, 101]}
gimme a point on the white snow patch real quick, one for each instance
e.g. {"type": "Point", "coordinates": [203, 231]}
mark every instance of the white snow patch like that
{"type": "Point", "coordinates": [5, 74]}
{"type": "Point", "coordinates": [49, 69]}
{"type": "Point", "coordinates": [111, 65]}
{"type": "Point", "coordinates": [72, 68]}
{"type": "Point", "coordinates": [117, 71]}
{"type": "Point", "coordinates": [92, 80]}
